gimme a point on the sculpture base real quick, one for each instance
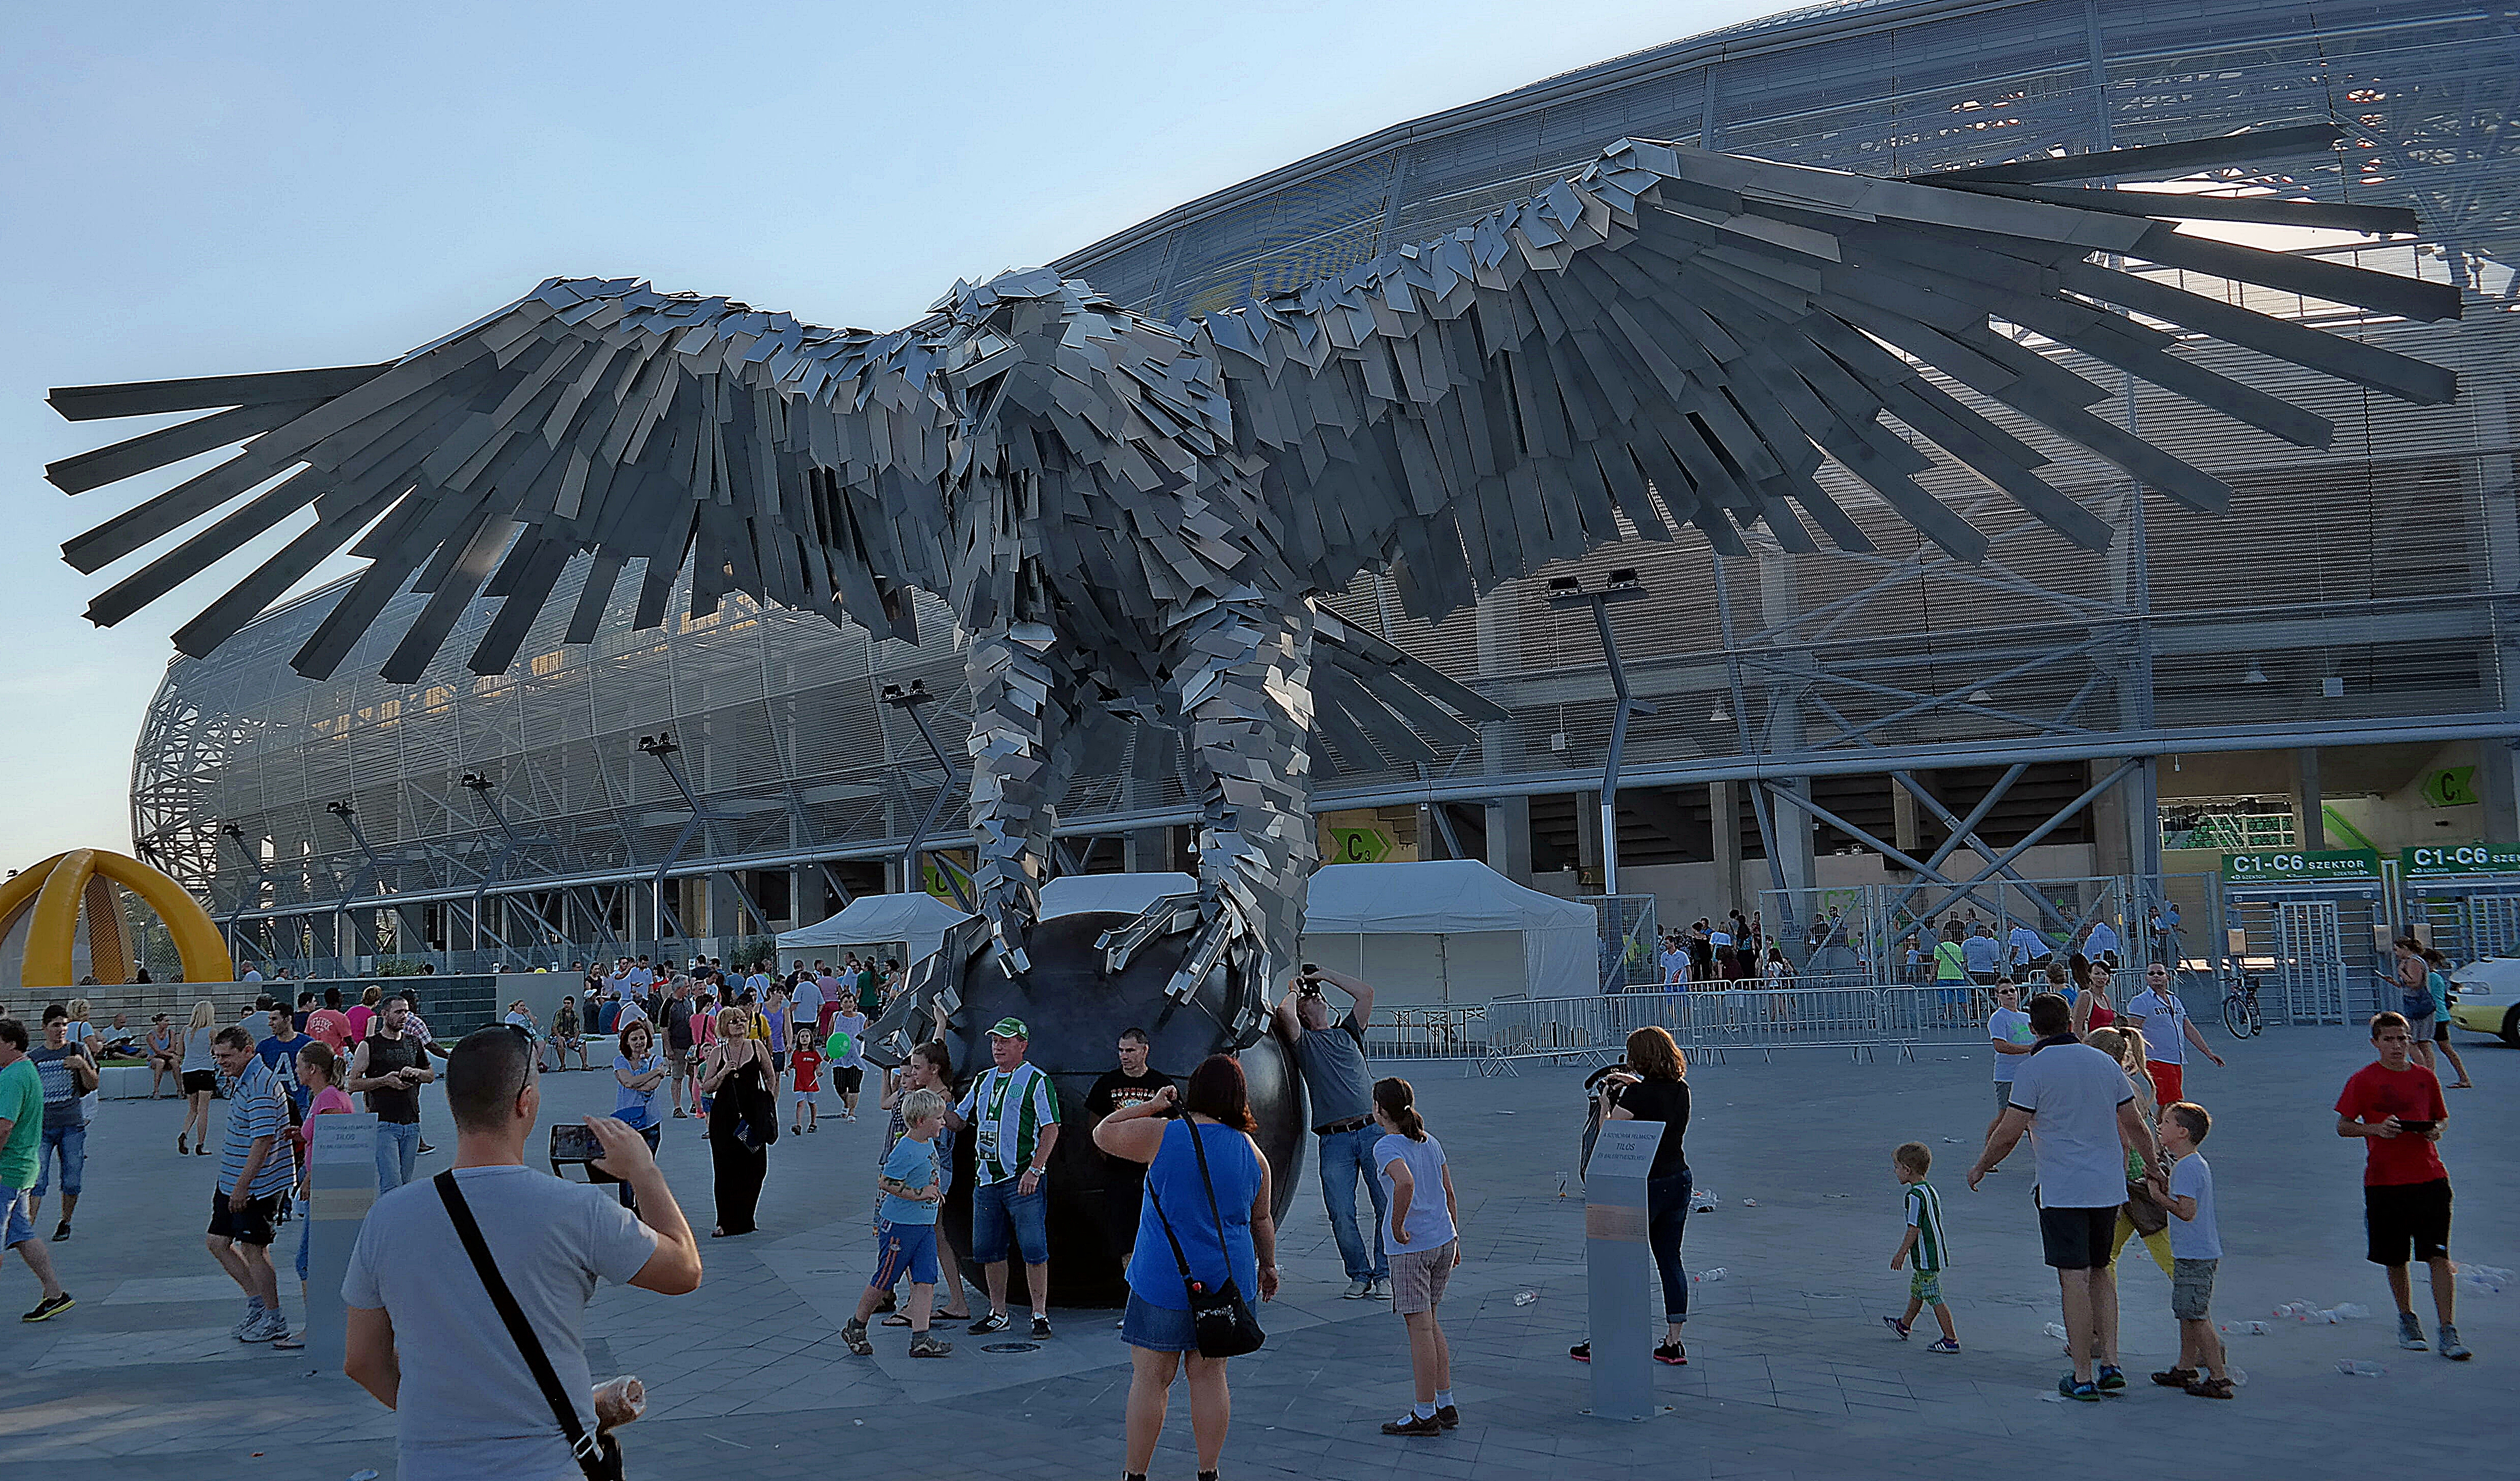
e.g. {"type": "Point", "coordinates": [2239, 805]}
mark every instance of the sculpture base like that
{"type": "Point", "coordinates": [1077, 1012]}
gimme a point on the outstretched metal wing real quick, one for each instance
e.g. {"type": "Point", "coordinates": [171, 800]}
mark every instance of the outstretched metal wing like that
{"type": "Point", "coordinates": [801, 464]}
{"type": "Point", "coordinates": [1679, 337]}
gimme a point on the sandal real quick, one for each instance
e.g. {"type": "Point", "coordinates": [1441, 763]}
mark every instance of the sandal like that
{"type": "Point", "coordinates": [291, 1343]}
{"type": "Point", "coordinates": [901, 1319]}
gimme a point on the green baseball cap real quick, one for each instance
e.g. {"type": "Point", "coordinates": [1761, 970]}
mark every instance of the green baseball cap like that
{"type": "Point", "coordinates": [1010, 1028]}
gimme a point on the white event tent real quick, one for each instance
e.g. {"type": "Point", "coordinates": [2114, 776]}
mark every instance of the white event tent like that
{"type": "Point", "coordinates": [918, 923]}
{"type": "Point", "coordinates": [1449, 930]}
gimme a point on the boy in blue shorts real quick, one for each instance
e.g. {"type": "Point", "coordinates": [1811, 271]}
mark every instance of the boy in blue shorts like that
{"type": "Point", "coordinates": [1922, 1249]}
{"type": "Point", "coordinates": [905, 1227]}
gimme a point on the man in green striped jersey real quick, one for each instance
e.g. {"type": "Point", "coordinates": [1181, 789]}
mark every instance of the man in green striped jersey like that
{"type": "Point", "coordinates": [1922, 1249]}
{"type": "Point", "coordinates": [1015, 1110]}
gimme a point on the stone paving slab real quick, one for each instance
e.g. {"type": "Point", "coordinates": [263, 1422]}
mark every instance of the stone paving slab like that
{"type": "Point", "coordinates": [1791, 1373]}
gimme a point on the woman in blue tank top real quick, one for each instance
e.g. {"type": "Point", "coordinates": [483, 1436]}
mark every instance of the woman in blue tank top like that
{"type": "Point", "coordinates": [1231, 1238]}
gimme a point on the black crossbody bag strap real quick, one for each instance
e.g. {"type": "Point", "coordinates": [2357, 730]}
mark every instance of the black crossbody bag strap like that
{"type": "Point", "coordinates": [1188, 1281]}
{"type": "Point", "coordinates": [594, 1457]}
{"type": "Point", "coordinates": [1199, 1144]}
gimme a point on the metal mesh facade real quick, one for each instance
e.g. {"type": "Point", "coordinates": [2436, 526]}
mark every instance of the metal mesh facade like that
{"type": "Point", "coordinates": [2359, 583]}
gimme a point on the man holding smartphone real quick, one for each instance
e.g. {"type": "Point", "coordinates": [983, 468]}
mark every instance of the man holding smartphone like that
{"type": "Point", "coordinates": [2396, 1105]}
{"type": "Point", "coordinates": [1330, 1056]}
{"type": "Point", "coordinates": [466, 1405]}
{"type": "Point", "coordinates": [389, 1068]}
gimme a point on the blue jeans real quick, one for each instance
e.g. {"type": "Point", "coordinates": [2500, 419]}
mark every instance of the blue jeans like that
{"type": "Point", "coordinates": [398, 1153]}
{"type": "Point", "coordinates": [1346, 1156]}
{"type": "Point", "coordinates": [1666, 1212]}
{"type": "Point", "coordinates": [998, 1211]}
{"type": "Point", "coordinates": [70, 1145]}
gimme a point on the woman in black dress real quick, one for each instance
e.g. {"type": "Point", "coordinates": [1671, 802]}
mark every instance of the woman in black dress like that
{"type": "Point", "coordinates": [1654, 1087]}
{"type": "Point", "coordinates": [744, 1119]}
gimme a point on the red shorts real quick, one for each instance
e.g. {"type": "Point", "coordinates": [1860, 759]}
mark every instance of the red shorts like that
{"type": "Point", "coordinates": [2165, 1081]}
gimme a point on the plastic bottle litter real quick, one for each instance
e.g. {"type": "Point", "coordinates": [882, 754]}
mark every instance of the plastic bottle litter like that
{"type": "Point", "coordinates": [1525, 1298]}
{"type": "Point", "coordinates": [1749, 1203]}
{"type": "Point", "coordinates": [2246, 1329]}
{"type": "Point", "coordinates": [2352, 1311]}
{"type": "Point", "coordinates": [2360, 1368]}
{"type": "Point", "coordinates": [1709, 1275]}
{"type": "Point", "coordinates": [363, 1475]}
{"type": "Point", "coordinates": [2296, 1311]}
{"type": "Point", "coordinates": [2239, 1378]}
{"type": "Point", "coordinates": [2055, 1329]}
{"type": "Point", "coordinates": [1703, 1201]}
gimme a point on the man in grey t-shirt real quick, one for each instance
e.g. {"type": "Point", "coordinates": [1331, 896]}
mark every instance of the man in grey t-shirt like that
{"type": "Point", "coordinates": [423, 1337]}
{"type": "Point", "coordinates": [1331, 1058]}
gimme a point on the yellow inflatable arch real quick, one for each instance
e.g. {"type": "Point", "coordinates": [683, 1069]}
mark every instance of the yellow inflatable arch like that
{"type": "Point", "coordinates": [55, 888]}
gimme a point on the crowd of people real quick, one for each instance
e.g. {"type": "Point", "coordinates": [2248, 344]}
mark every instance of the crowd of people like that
{"type": "Point", "coordinates": [2097, 1089]}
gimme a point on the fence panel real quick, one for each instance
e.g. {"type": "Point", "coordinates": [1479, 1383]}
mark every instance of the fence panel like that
{"type": "Point", "coordinates": [1435, 1031]}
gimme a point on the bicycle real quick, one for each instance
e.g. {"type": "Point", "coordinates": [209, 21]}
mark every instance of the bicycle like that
{"type": "Point", "coordinates": [2240, 1013]}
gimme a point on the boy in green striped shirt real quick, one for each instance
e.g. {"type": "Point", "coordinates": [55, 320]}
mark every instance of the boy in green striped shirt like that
{"type": "Point", "coordinates": [1922, 1249]}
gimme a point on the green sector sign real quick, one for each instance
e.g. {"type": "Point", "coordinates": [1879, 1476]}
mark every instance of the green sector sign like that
{"type": "Point", "coordinates": [2461, 859]}
{"type": "Point", "coordinates": [2287, 866]}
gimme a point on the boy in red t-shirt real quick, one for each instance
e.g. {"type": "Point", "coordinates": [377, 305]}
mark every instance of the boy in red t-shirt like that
{"type": "Point", "coordinates": [809, 1086]}
{"type": "Point", "coordinates": [2396, 1105]}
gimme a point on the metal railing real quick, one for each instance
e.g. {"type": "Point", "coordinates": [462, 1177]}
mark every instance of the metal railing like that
{"type": "Point", "coordinates": [1713, 1019]}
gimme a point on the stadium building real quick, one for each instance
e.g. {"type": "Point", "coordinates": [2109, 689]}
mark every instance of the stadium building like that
{"type": "Point", "coordinates": [2299, 714]}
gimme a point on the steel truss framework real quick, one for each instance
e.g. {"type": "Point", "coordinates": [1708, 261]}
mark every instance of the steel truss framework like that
{"type": "Point", "coordinates": [1767, 665]}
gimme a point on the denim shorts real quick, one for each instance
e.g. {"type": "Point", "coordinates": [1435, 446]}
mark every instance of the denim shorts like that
{"type": "Point", "coordinates": [1157, 1328]}
{"type": "Point", "coordinates": [998, 1211]}
{"type": "Point", "coordinates": [15, 1228]}
{"type": "Point", "coordinates": [70, 1145]}
{"type": "Point", "coordinates": [904, 1249]}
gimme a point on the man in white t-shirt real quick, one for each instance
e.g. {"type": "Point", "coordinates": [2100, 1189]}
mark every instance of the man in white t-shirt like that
{"type": "Point", "coordinates": [1674, 966]}
{"type": "Point", "coordinates": [2103, 943]}
{"type": "Point", "coordinates": [465, 1404]}
{"type": "Point", "coordinates": [2077, 1110]}
{"type": "Point", "coordinates": [2167, 1033]}
{"type": "Point", "coordinates": [2027, 947]}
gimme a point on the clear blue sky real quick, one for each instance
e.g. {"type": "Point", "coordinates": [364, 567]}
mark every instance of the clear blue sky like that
{"type": "Point", "coordinates": [204, 190]}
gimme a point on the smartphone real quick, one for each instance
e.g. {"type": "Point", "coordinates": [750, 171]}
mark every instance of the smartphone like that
{"type": "Point", "coordinates": [574, 1144]}
{"type": "Point", "coordinates": [2414, 1127]}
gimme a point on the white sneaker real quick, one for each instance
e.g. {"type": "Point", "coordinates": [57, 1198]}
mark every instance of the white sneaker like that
{"type": "Point", "coordinates": [1378, 1290]}
{"type": "Point", "coordinates": [1358, 1290]}
{"type": "Point", "coordinates": [253, 1317]}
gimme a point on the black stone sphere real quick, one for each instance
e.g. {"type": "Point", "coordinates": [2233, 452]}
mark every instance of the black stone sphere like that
{"type": "Point", "coordinates": [1076, 1014]}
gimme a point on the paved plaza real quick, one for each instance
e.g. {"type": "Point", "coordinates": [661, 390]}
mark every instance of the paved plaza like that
{"type": "Point", "coordinates": [1791, 1373]}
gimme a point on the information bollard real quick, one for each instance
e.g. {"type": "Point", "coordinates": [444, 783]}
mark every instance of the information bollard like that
{"type": "Point", "coordinates": [341, 1166]}
{"type": "Point", "coordinates": [1619, 1266]}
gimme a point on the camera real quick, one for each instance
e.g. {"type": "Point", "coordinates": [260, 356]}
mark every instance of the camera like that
{"type": "Point", "coordinates": [1308, 981]}
{"type": "Point", "coordinates": [574, 1144]}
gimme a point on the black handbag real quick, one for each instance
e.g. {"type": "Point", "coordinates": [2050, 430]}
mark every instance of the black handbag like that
{"type": "Point", "coordinates": [1220, 1317]}
{"type": "Point", "coordinates": [599, 1456]}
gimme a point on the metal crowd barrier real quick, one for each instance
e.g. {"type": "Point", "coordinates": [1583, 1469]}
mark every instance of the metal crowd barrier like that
{"type": "Point", "coordinates": [1706, 1019]}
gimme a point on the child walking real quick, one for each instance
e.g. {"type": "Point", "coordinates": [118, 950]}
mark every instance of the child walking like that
{"type": "Point", "coordinates": [1921, 1249]}
{"type": "Point", "coordinates": [1424, 1237]}
{"type": "Point", "coordinates": [905, 1230]}
{"type": "Point", "coordinates": [2195, 1248]}
{"type": "Point", "coordinates": [808, 1109]}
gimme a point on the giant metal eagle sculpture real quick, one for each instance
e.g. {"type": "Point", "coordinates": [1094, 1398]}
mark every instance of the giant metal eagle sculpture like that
{"type": "Point", "coordinates": [1138, 515]}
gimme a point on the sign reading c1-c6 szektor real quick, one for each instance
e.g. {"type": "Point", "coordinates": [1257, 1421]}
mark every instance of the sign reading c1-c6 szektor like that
{"type": "Point", "coordinates": [2461, 859]}
{"type": "Point", "coordinates": [2291, 866]}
